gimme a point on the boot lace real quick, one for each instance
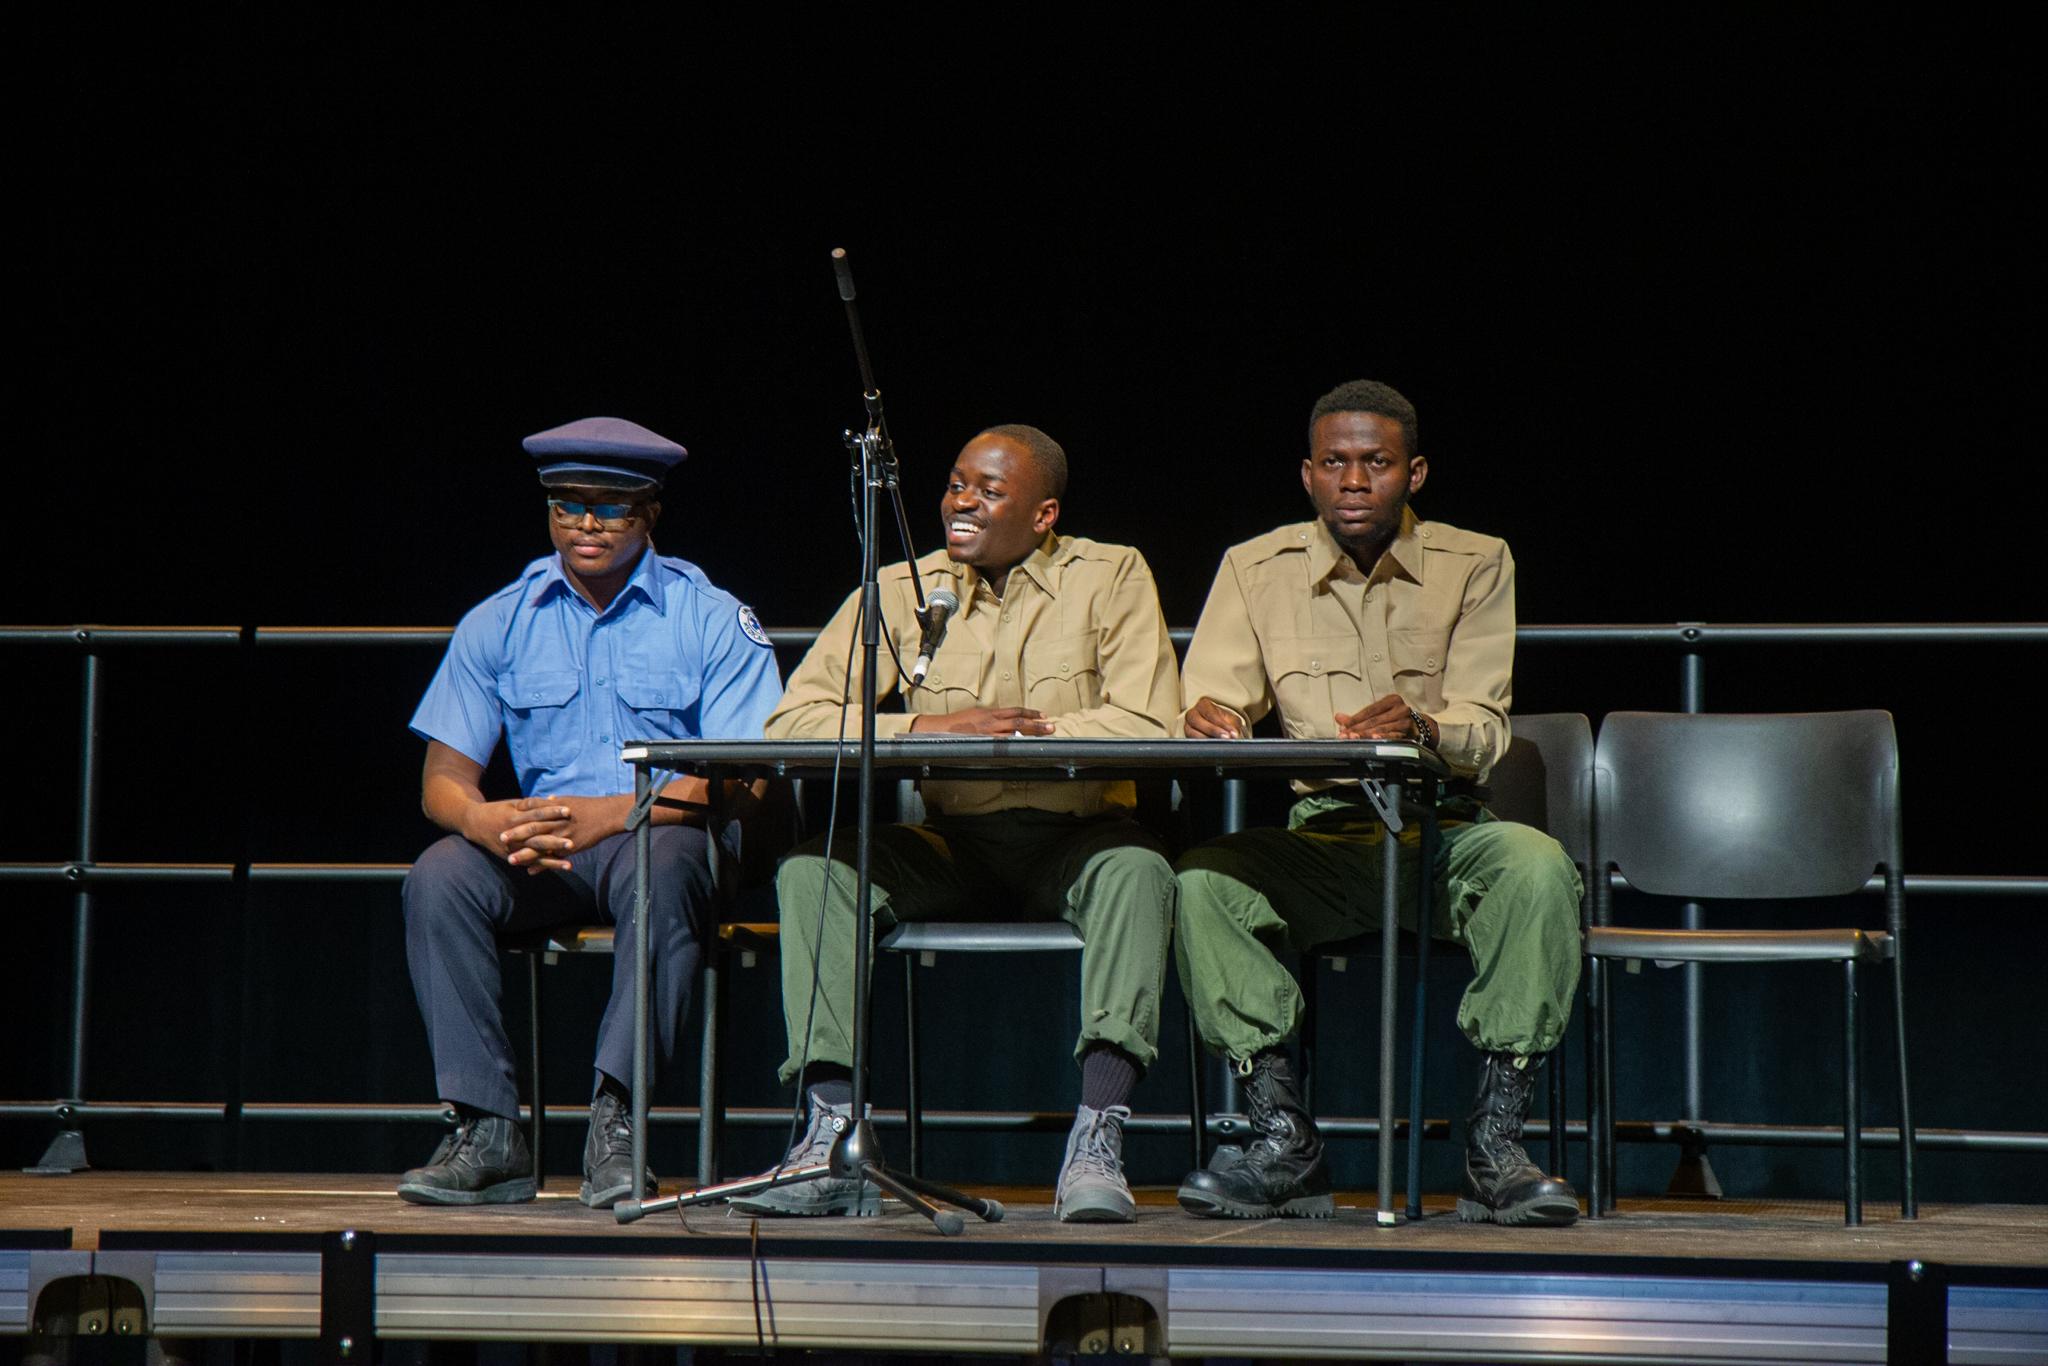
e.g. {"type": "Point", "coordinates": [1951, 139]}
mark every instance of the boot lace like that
{"type": "Point", "coordinates": [1098, 1148]}
{"type": "Point", "coordinates": [815, 1146]}
{"type": "Point", "coordinates": [615, 1129]}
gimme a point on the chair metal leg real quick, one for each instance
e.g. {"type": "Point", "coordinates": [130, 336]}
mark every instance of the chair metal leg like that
{"type": "Point", "coordinates": [1310, 977]}
{"type": "Point", "coordinates": [1610, 1106]}
{"type": "Point", "coordinates": [1557, 1114]}
{"type": "Point", "coordinates": [915, 1103]}
{"type": "Point", "coordinates": [1597, 1138]}
{"type": "Point", "coordinates": [540, 1119]}
{"type": "Point", "coordinates": [710, 1077]}
{"type": "Point", "coordinates": [1909, 1200]}
{"type": "Point", "coordinates": [1198, 1098]}
{"type": "Point", "coordinates": [1852, 1103]}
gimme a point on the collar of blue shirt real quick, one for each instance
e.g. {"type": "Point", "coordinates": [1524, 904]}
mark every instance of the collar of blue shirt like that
{"type": "Point", "coordinates": [646, 581]}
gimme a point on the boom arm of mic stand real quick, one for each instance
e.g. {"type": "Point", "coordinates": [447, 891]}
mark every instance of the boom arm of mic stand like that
{"type": "Point", "coordinates": [880, 450]}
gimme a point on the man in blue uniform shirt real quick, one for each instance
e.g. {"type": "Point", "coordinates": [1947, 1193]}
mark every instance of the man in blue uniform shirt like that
{"type": "Point", "coordinates": [601, 643]}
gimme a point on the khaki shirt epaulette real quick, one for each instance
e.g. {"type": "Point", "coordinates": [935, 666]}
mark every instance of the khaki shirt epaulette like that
{"type": "Point", "coordinates": [1291, 623]}
{"type": "Point", "coordinates": [1078, 634]}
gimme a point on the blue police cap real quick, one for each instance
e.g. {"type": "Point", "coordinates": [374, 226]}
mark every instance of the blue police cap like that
{"type": "Point", "coordinates": [605, 451]}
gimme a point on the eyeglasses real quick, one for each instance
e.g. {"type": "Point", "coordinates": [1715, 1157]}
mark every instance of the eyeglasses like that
{"type": "Point", "coordinates": [610, 516]}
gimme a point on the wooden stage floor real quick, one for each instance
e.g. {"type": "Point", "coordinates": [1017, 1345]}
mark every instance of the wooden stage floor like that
{"type": "Point", "coordinates": [340, 1258]}
{"type": "Point", "coordinates": [90, 1203]}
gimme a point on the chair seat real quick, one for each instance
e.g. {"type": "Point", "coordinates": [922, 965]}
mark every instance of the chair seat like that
{"type": "Point", "coordinates": [600, 938]}
{"type": "Point", "coordinates": [749, 935]}
{"type": "Point", "coordinates": [1029, 936]}
{"type": "Point", "coordinates": [1739, 946]}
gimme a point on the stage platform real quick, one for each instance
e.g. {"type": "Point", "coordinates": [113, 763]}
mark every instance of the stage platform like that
{"type": "Point", "coordinates": [339, 1258]}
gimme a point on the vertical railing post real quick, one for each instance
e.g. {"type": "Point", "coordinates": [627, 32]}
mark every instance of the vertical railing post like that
{"type": "Point", "coordinates": [1694, 1174]}
{"type": "Point", "coordinates": [66, 1152]}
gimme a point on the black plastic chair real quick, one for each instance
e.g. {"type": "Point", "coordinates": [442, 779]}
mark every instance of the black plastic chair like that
{"type": "Point", "coordinates": [1544, 780]}
{"type": "Point", "coordinates": [1761, 808]}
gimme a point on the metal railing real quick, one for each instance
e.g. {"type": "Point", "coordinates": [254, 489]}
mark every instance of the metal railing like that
{"type": "Point", "coordinates": [85, 871]}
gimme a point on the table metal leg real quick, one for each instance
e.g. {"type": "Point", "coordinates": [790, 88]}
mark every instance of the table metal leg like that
{"type": "Point", "coordinates": [643, 848]}
{"type": "Point", "coordinates": [1417, 1023]}
{"type": "Point", "coordinates": [1390, 945]}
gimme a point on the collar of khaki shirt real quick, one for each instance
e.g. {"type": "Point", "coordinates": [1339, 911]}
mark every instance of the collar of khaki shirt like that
{"type": "Point", "coordinates": [1042, 566]}
{"type": "Point", "coordinates": [1401, 559]}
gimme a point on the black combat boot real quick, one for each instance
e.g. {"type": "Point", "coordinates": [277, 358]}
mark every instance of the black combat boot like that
{"type": "Point", "coordinates": [1502, 1186]}
{"type": "Point", "coordinates": [1282, 1172]}
{"type": "Point", "coordinates": [484, 1162]}
{"type": "Point", "coordinates": [608, 1154]}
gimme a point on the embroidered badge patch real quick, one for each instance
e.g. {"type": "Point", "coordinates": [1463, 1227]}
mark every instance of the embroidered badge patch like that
{"type": "Point", "coordinates": [751, 624]}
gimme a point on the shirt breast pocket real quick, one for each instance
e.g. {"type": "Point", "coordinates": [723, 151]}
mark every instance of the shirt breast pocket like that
{"type": "Point", "coordinates": [1417, 655]}
{"type": "Point", "coordinates": [953, 683]}
{"type": "Point", "coordinates": [657, 706]}
{"type": "Point", "coordinates": [1314, 678]}
{"type": "Point", "coordinates": [1063, 675]}
{"type": "Point", "coordinates": [543, 723]}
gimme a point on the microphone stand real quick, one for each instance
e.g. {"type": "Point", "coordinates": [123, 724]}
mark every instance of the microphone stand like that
{"type": "Point", "coordinates": [857, 1153]}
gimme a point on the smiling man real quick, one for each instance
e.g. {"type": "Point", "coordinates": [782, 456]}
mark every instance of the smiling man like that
{"type": "Point", "coordinates": [1368, 623]}
{"type": "Point", "coordinates": [1055, 635]}
{"type": "Point", "coordinates": [600, 643]}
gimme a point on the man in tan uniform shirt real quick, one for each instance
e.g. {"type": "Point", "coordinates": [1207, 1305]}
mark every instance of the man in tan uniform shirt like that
{"type": "Point", "coordinates": [1368, 623]}
{"type": "Point", "coordinates": [1055, 635]}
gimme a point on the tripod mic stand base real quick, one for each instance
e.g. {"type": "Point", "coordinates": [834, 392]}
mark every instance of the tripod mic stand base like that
{"type": "Point", "coordinates": [859, 1153]}
{"type": "Point", "coordinates": [856, 1155]}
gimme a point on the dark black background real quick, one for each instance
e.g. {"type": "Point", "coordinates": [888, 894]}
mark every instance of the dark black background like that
{"type": "Point", "coordinates": [1727, 318]}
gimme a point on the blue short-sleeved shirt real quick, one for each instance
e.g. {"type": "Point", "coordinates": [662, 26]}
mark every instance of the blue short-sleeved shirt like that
{"type": "Point", "coordinates": [672, 658]}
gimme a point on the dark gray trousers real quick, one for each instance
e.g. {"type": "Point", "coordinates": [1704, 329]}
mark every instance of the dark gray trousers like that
{"type": "Point", "coordinates": [459, 900]}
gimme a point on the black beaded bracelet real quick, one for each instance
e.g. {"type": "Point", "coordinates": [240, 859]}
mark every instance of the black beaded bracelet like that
{"type": "Point", "coordinates": [1424, 730]}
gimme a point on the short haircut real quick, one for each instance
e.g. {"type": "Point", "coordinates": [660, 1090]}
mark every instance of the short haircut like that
{"type": "Point", "coordinates": [1368, 396]}
{"type": "Point", "coordinates": [1045, 453]}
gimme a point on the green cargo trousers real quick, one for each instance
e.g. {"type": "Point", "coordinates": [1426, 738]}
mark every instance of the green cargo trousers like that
{"type": "Point", "coordinates": [1505, 891]}
{"type": "Point", "coordinates": [1104, 875]}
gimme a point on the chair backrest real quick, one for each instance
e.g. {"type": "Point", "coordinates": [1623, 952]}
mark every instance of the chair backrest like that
{"type": "Point", "coordinates": [1546, 780]}
{"type": "Point", "coordinates": [1758, 807]}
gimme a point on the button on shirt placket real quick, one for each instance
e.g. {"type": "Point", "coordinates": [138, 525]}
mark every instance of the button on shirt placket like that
{"type": "Point", "coordinates": [605, 716]}
{"type": "Point", "coordinates": [1009, 651]}
{"type": "Point", "coordinates": [1010, 614]}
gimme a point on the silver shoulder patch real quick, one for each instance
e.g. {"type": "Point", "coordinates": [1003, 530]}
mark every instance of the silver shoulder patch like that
{"type": "Point", "coordinates": [751, 624]}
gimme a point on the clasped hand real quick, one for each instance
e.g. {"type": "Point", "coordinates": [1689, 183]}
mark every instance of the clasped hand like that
{"type": "Point", "coordinates": [1386, 719]}
{"type": "Point", "coordinates": [539, 833]}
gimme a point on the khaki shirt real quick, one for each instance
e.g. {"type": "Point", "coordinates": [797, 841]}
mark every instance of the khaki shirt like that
{"type": "Point", "coordinates": [1077, 634]}
{"type": "Point", "coordinates": [1291, 622]}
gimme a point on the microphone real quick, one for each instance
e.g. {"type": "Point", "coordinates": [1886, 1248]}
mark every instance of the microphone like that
{"type": "Point", "coordinates": [939, 604]}
{"type": "Point", "coordinates": [844, 270]}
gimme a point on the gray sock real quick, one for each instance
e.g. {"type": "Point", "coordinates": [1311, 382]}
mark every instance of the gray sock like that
{"type": "Point", "coordinates": [1108, 1076]}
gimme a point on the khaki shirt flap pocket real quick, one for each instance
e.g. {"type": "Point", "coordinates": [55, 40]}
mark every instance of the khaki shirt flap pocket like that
{"type": "Point", "coordinates": [1418, 649]}
{"type": "Point", "coordinates": [1060, 660]}
{"type": "Point", "coordinates": [955, 679]}
{"type": "Point", "coordinates": [1063, 674]}
{"type": "Point", "coordinates": [1303, 658]}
